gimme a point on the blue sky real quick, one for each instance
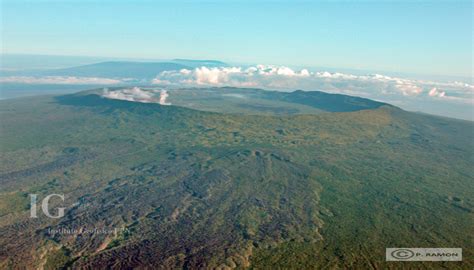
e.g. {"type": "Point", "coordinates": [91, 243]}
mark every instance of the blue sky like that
{"type": "Point", "coordinates": [432, 37]}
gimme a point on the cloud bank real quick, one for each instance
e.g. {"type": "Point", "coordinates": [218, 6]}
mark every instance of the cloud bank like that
{"type": "Point", "coordinates": [138, 95]}
{"type": "Point", "coordinates": [284, 78]}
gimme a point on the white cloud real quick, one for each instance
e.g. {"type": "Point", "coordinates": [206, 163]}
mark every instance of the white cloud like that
{"type": "Point", "coordinates": [138, 95]}
{"type": "Point", "coordinates": [434, 92]}
{"type": "Point", "coordinates": [163, 96]}
{"type": "Point", "coordinates": [59, 80]}
{"type": "Point", "coordinates": [408, 88]}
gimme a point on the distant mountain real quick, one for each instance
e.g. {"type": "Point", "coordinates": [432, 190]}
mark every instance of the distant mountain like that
{"type": "Point", "coordinates": [19, 62]}
{"type": "Point", "coordinates": [199, 63]}
{"type": "Point", "coordinates": [34, 65]}
{"type": "Point", "coordinates": [118, 69]}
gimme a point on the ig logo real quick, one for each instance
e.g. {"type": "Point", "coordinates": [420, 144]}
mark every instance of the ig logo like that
{"type": "Point", "coordinates": [45, 206]}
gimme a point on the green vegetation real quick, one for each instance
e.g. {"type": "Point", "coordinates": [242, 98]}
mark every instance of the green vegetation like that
{"type": "Point", "coordinates": [58, 259]}
{"type": "Point", "coordinates": [299, 185]}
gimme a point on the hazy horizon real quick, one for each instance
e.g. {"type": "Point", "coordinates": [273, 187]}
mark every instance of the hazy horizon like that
{"type": "Point", "coordinates": [27, 61]}
{"type": "Point", "coordinates": [451, 96]}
